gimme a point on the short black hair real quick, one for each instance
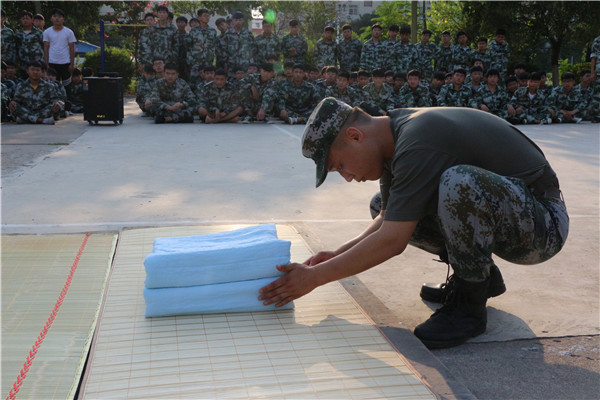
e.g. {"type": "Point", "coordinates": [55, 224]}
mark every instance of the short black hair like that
{"type": "Point", "coordinates": [300, 66]}
{"type": "Point", "coordinates": [376, 26]}
{"type": "Point", "coordinates": [58, 11]}
{"type": "Point", "coordinates": [460, 71]}
{"type": "Point", "coordinates": [363, 73]}
{"type": "Point", "coordinates": [194, 20]}
{"type": "Point", "coordinates": [25, 13]}
{"type": "Point", "coordinates": [220, 21]}
{"type": "Point", "coordinates": [171, 15]}
{"type": "Point", "coordinates": [500, 31]}
{"type": "Point", "coordinates": [52, 72]}
{"type": "Point", "coordinates": [519, 65]}
{"type": "Point", "coordinates": [394, 28]}
{"type": "Point", "coordinates": [347, 26]}
{"type": "Point", "coordinates": [148, 69]}
{"type": "Point", "coordinates": [203, 11]}
{"type": "Point", "coordinates": [87, 71]}
{"type": "Point", "coordinates": [427, 32]}
{"type": "Point", "coordinates": [76, 72]}
{"type": "Point", "coordinates": [158, 59]}
{"type": "Point", "coordinates": [331, 68]}
{"type": "Point", "coordinates": [379, 73]}
{"type": "Point", "coordinates": [220, 72]}
{"type": "Point", "coordinates": [294, 22]}
{"type": "Point", "coordinates": [439, 75]}
{"type": "Point", "coordinates": [288, 64]}
{"type": "Point", "coordinates": [482, 39]}
{"type": "Point", "coordinates": [460, 33]}
{"type": "Point", "coordinates": [476, 68]}
{"type": "Point", "coordinates": [414, 72]}
{"type": "Point", "coordinates": [389, 72]}
{"type": "Point", "coordinates": [523, 76]}
{"type": "Point", "coordinates": [405, 29]}
{"type": "Point", "coordinates": [492, 72]}
{"type": "Point", "coordinates": [567, 75]}
{"type": "Point", "coordinates": [266, 66]}
{"type": "Point", "coordinates": [34, 64]}
{"type": "Point", "coordinates": [328, 29]}
{"type": "Point", "coordinates": [172, 67]}
{"type": "Point", "coordinates": [39, 16]}
{"type": "Point", "coordinates": [535, 76]}
{"type": "Point", "coordinates": [209, 68]}
{"type": "Point", "coordinates": [238, 68]}
{"type": "Point", "coordinates": [344, 74]}
{"type": "Point", "coordinates": [181, 18]}
{"type": "Point", "coordinates": [162, 8]}
{"type": "Point", "coordinates": [510, 79]}
{"type": "Point", "coordinates": [149, 15]}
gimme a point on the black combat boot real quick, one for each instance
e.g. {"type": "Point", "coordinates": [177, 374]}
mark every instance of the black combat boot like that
{"type": "Point", "coordinates": [462, 316]}
{"type": "Point", "coordinates": [436, 293]}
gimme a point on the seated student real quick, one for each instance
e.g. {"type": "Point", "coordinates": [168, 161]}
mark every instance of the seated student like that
{"type": "Point", "coordinates": [475, 76]}
{"type": "Point", "coordinates": [312, 73]}
{"type": "Point", "coordinates": [544, 87]}
{"type": "Point", "coordinates": [491, 98]}
{"type": "Point", "coordinates": [529, 103]}
{"type": "Point", "coordinates": [413, 93]}
{"type": "Point", "coordinates": [389, 77]}
{"type": "Point", "coordinates": [11, 72]}
{"type": "Point", "coordinates": [262, 94]}
{"type": "Point", "coordinates": [143, 89]}
{"type": "Point", "coordinates": [353, 78]}
{"type": "Point", "coordinates": [378, 95]}
{"type": "Point", "coordinates": [448, 78]}
{"type": "Point", "coordinates": [399, 81]}
{"type": "Point", "coordinates": [252, 69]}
{"type": "Point", "coordinates": [511, 84]}
{"type": "Point", "coordinates": [565, 102]}
{"type": "Point", "coordinates": [194, 23]}
{"type": "Point", "coordinates": [436, 84]}
{"type": "Point", "coordinates": [297, 98]}
{"type": "Point", "coordinates": [330, 77]}
{"type": "Point", "coordinates": [362, 79]}
{"type": "Point", "coordinates": [588, 90]}
{"type": "Point", "coordinates": [86, 72]}
{"type": "Point", "coordinates": [220, 101]}
{"type": "Point", "coordinates": [172, 99]}
{"type": "Point", "coordinates": [35, 100]}
{"type": "Point", "coordinates": [455, 94]}
{"type": "Point", "coordinates": [75, 91]}
{"type": "Point", "coordinates": [342, 90]}
{"type": "Point", "coordinates": [523, 78]}
{"type": "Point", "coordinates": [9, 85]}
{"type": "Point", "coordinates": [61, 93]}
{"type": "Point", "coordinates": [6, 114]}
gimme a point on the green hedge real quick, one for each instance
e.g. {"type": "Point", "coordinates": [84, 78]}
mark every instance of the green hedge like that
{"type": "Point", "coordinates": [115, 60]}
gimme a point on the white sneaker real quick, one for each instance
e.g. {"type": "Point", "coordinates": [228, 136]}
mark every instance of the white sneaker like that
{"type": "Point", "coordinates": [292, 121]}
{"type": "Point", "coordinates": [577, 120]}
{"type": "Point", "coordinates": [48, 121]}
{"type": "Point", "coordinates": [547, 121]}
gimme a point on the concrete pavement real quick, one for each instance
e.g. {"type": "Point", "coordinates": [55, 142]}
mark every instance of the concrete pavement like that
{"type": "Point", "coordinates": [72, 178]}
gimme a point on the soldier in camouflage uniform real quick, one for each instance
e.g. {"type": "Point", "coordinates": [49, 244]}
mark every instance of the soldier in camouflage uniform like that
{"type": "Point", "coordinates": [586, 87]}
{"type": "Point", "coordinates": [378, 95]}
{"type": "Point", "coordinates": [262, 93]}
{"type": "Point", "coordinates": [267, 44]}
{"type": "Point", "coordinates": [404, 57]}
{"type": "Point", "coordinates": [594, 57]}
{"type": "Point", "coordinates": [427, 52]}
{"type": "Point", "coordinates": [181, 47]}
{"type": "Point", "coordinates": [349, 50]}
{"type": "Point", "coordinates": [220, 101]}
{"type": "Point", "coordinates": [143, 89]}
{"type": "Point", "coordinates": [444, 58]}
{"type": "Point", "coordinates": [29, 41]}
{"type": "Point", "coordinates": [35, 100]}
{"type": "Point", "coordinates": [163, 37]}
{"type": "Point", "coordinates": [500, 53]}
{"type": "Point", "coordinates": [61, 94]}
{"type": "Point", "coordinates": [293, 45]}
{"type": "Point", "coordinates": [145, 56]}
{"type": "Point", "coordinates": [201, 45]}
{"type": "Point", "coordinates": [297, 98]}
{"type": "Point", "coordinates": [437, 82]}
{"type": "Point", "coordinates": [413, 93]}
{"type": "Point", "coordinates": [172, 99]}
{"type": "Point", "coordinates": [9, 52]}
{"type": "Point", "coordinates": [455, 94]}
{"type": "Point", "coordinates": [325, 52]}
{"type": "Point", "coordinates": [6, 114]}
{"type": "Point", "coordinates": [593, 108]}
{"type": "Point", "coordinates": [391, 43]}
{"type": "Point", "coordinates": [75, 92]}
{"type": "Point", "coordinates": [482, 54]}
{"type": "Point", "coordinates": [239, 45]}
{"type": "Point", "coordinates": [460, 202]}
{"type": "Point", "coordinates": [530, 104]}
{"type": "Point", "coordinates": [341, 90]}
{"type": "Point", "coordinates": [374, 52]}
{"type": "Point", "coordinates": [462, 55]}
{"type": "Point", "coordinates": [565, 102]}
{"type": "Point", "coordinates": [491, 98]}
{"type": "Point", "coordinates": [220, 50]}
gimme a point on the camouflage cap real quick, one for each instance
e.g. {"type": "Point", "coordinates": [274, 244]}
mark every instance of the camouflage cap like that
{"type": "Point", "coordinates": [321, 130]}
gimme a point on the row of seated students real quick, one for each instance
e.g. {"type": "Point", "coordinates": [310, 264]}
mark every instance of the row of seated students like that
{"type": "Point", "coordinates": [40, 98]}
{"type": "Point", "coordinates": [259, 94]}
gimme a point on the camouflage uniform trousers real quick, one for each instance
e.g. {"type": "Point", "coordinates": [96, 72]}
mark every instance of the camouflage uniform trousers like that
{"type": "Point", "coordinates": [481, 213]}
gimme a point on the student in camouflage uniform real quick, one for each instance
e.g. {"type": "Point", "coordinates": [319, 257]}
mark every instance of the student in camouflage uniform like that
{"type": "Point", "coordinates": [373, 53]}
{"type": "Point", "coordinates": [163, 37]}
{"type": "Point", "coordinates": [404, 55]}
{"type": "Point", "coordinates": [172, 99]}
{"type": "Point", "coordinates": [325, 52]}
{"type": "Point", "coordinates": [462, 55]}
{"type": "Point", "coordinates": [6, 96]}
{"type": "Point", "coordinates": [35, 100]}
{"type": "Point", "coordinates": [427, 52]}
{"type": "Point", "coordinates": [9, 52]}
{"type": "Point", "coordinates": [220, 49]}
{"type": "Point", "coordinates": [565, 102]}
{"type": "Point", "coordinates": [75, 92]}
{"type": "Point", "coordinates": [413, 93]}
{"type": "Point", "coordinates": [586, 88]}
{"type": "Point", "coordinates": [444, 58]}
{"type": "Point", "coordinates": [220, 101]}
{"type": "Point", "coordinates": [61, 94]}
{"type": "Point", "coordinates": [475, 76]}
{"type": "Point", "coordinates": [262, 92]}
{"type": "Point", "coordinates": [342, 91]}
{"type": "Point", "coordinates": [455, 94]}
{"type": "Point", "coordinates": [267, 44]}
{"type": "Point", "coordinates": [437, 82]}
{"type": "Point", "coordinates": [530, 104]}
{"type": "Point", "coordinates": [293, 45]}
{"type": "Point", "coordinates": [500, 53]}
{"type": "Point", "coordinates": [349, 50]}
{"type": "Point", "coordinates": [239, 44]}
{"type": "Point", "coordinates": [378, 95]}
{"type": "Point", "coordinates": [145, 56]}
{"type": "Point", "coordinates": [491, 98]}
{"type": "Point", "coordinates": [330, 74]}
{"type": "Point", "coordinates": [143, 89]}
{"type": "Point", "coordinates": [29, 42]}
{"type": "Point", "coordinates": [201, 45]}
{"type": "Point", "coordinates": [181, 47]}
{"type": "Point", "coordinates": [482, 53]}
{"type": "Point", "coordinates": [297, 98]}
{"type": "Point", "coordinates": [391, 43]}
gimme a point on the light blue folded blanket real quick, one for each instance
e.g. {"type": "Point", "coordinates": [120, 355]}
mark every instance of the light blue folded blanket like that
{"type": "Point", "coordinates": [208, 299]}
{"type": "Point", "coordinates": [239, 255]}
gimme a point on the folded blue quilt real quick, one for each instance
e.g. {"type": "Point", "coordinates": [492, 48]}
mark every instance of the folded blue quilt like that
{"type": "Point", "coordinates": [243, 254]}
{"type": "Point", "coordinates": [208, 299]}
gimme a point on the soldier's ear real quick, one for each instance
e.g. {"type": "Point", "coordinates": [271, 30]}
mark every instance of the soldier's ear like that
{"type": "Point", "coordinates": [354, 133]}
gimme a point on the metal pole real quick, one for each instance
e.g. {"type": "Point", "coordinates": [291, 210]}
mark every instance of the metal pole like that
{"type": "Point", "coordinates": [102, 63]}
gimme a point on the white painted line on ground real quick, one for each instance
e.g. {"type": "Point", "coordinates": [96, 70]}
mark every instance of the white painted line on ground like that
{"type": "Point", "coordinates": [287, 132]}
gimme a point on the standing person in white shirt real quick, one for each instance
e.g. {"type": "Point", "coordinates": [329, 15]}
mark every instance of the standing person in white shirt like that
{"type": "Point", "coordinates": [59, 47]}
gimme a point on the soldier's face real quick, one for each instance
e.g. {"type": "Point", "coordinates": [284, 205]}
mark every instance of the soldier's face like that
{"type": "Point", "coordinates": [220, 81]}
{"type": "Point", "coordinates": [586, 78]}
{"type": "Point", "coordinates": [252, 70]}
{"type": "Point", "coordinates": [159, 66]}
{"type": "Point", "coordinates": [76, 79]}
{"type": "Point", "coordinates": [328, 35]}
{"type": "Point", "coordinates": [34, 73]}
{"type": "Point", "coordinates": [26, 21]}
{"type": "Point", "coordinates": [363, 80]}
{"type": "Point", "coordinates": [313, 75]}
{"type": "Point", "coordinates": [222, 27]}
{"type": "Point", "coordinates": [437, 83]}
{"type": "Point", "coordinates": [294, 29]}
{"type": "Point", "coordinates": [393, 35]}
{"type": "Point", "coordinates": [330, 76]}
{"type": "Point", "coordinates": [404, 37]}
{"type": "Point", "coordinates": [237, 23]}
{"type": "Point", "coordinates": [458, 78]}
{"type": "Point", "coordinates": [39, 23]}
{"type": "Point", "coordinates": [568, 84]}
{"type": "Point", "coordinates": [171, 76]}
{"type": "Point", "coordinates": [352, 156]}
{"type": "Point", "coordinates": [149, 21]}
{"type": "Point", "coordinates": [376, 33]}
{"type": "Point", "coordinates": [298, 75]}
{"type": "Point", "coordinates": [398, 83]}
{"type": "Point", "coordinates": [446, 39]}
{"type": "Point", "coordinates": [378, 80]}
{"type": "Point", "coordinates": [481, 46]}
{"type": "Point", "coordinates": [425, 37]}
{"type": "Point", "coordinates": [209, 76]}
{"type": "Point", "coordinates": [342, 82]}
{"type": "Point", "coordinates": [533, 84]}
{"type": "Point", "coordinates": [512, 86]}
{"type": "Point", "coordinates": [413, 81]}
{"type": "Point", "coordinates": [492, 80]}
{"type": "Point", "coordinates": [204, 18]}
{"type": "Point", "coordinates": [389, 79]}
{"type": "Point", "coordinates": [476, 76]}
{"type": "Point", "coordinates": [181, 25]}
{"type": "Point", "coordinates": [500, 39]}
{"type": "Point", "coordinates": [162, 15]}
{"type": "Point", "coordinates": [347, 34]}
{"type": "Point", "coordinates": [462, 39]}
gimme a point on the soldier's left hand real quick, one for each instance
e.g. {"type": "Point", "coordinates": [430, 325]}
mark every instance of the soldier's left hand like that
{"type": "Point", "coordinates": [298, 281]}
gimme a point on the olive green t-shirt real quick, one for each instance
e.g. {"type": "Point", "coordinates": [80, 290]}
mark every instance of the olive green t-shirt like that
{"type": "Point", "coordinates": [431, 140]}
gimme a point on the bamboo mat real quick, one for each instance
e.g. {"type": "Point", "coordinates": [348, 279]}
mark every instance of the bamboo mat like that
{"type": "Point", "coordinates": [325, 348]}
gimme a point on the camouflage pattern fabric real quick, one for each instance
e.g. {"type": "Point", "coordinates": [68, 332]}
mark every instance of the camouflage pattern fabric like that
{"type": "Point", "coordinates": [593, 108]}
{"type": "Point", "coordinates": [408, 98]}
{"type": "Point", "coordinates": [181, 50]}
{"type": "Point", "coordinates": [559, 99]}
{"type": "Point", "coordinates": [221, 52]}
{"type": "Point", "coordinates": [349, 53]}
{"type": "Point", "coordinates": [267, 92]}
{"type": "Point", "coordinates": [201, 46]}
{"type": "Point", "coordinates": [145, 55]}
{"type": "Point", "coordinates": [30, 46]}
{"type": "Point", "coordinates": [6, 114]}
{"type": "Point", "coordinates": [444, 58]}
{"type": "Point", "coordinates": [533, 108]}
{"type": "Point", "coordinates": [403, 57]}
{"type": "Point", "coordinates": [497, 101]}
{"type": "Point", "coordinates": [165, 94]}
{"type": "Point", "coordinates": [499, 54]}
{"type": "Point", "coordinates": [382, 97]}
{"type": "Point", "coordinates": [321, 129]}
{"type": "Point", "coordinates": [433, 94]}
{"type": "Point", "coordinates": [298, 101]}
{"type": "Point", "coordinates": [595, 52]}
{"type": "Point", "coordinates": [225, 99]}
{"type": "Point", "coordinates": [426, 54]}
{"type": "Point", "coordinates": [485, 57]}
{"type": "Point", "coordinates": [325, 53]}
{"type": "Point", "coordinates": [462, 57]}
{"type": "Point", "coordinates": [164, 43]}
{"type": "Point", "coordinates": [373, 55]}
{"type": "Point", "coordinates": [299, 43]}
{"type": "Point", "coordinates": [34, 103]}
{"type": "Point", "coordinates": [450, 97]}
{"type": "Point", "coordinates": [265, 46]}
{"type": "Point", "coordinates": [350, 95]}
{"type": "Point", "coordinates": [143, 90]}
{"type": "Point", "coordinates": [75, 94]}
{"type": "Point", "coordinates": [9, 51]}
{"type": "Point", "coordinates": [239, 48]}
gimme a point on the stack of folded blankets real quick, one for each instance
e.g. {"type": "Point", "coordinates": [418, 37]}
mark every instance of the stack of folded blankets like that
{"type": "Point", "coordinates": [214, 273]}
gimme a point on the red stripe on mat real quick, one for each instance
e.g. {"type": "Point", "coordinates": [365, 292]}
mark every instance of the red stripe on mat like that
{"type": "Point", "coordinates": [23, 373]}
